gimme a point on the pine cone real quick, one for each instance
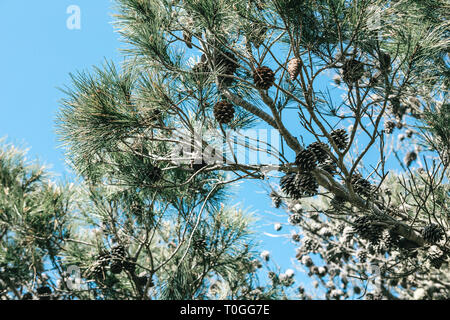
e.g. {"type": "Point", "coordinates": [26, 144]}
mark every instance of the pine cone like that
{"type": "Point", "coordinates": [329, 166]}
{"type": "Point", "coordinates": [310, 245]}
{"type": "Point", "coordinates": [118, 256]}
{"type": "Point", "coordinates": [361, 186]}
{"type": "Point", "coordinates": [44, 293]}
{"type": "Point", "coordinates": [337, 203]}
{"type": "Point", "coordinates": [353, 70]}
{"type": "Point", "coordinates": [340, 138]}
{"type": "Point", "coordinates": [200, 244]}
{"type": "Point", "coordinates": [437, 261]}
{"type": "Point", "coordinates": [187, 37]}
{"type": "Point", "coordinates": [410, 157]}
{"type": "Point", "coordinates": [409, 133]}
{"type": "Point", "coordinates": [306, 160]}
{"type": "Point", "coordinates": [308, 184]}
{"type": "Point", "coordinates": [397, 108]}
{"type": "Point", "coordinates": [226, 64]}
{"type": "Point", "coordinates": [118, 250]}
{"type": "Point", "coordinates": [320, 151]}
{"type": "Point", "coordinates": [433, 233]}
{"type": "Point", "coordinates": [116, 266]}
{"type": "Point", "coordinates": [385, 61]}
{"type": "Point", "coordinates": [323, 271]}
{"type": "Point", "coordinates": [276, 199]}
{"type": "Point", "coordinates": [392, 240]}
{"type": "Point", "coordinates": [263, 78]}
{"type": "Point", "coordinates": [27, 296]}
{"type": "Point", "coordinates": [389, 126]}
{"type": "Point", "coordinates": [154, 174]}
{"type": "Point", "coordinates": [299, 185]}
{"type": "Point", "coordinates": [129, 265]}
{"type": "Point", "coordinates": [365, 227]}
{"type": "Point", "coordinates": [289, 185]}
{"type": "Point", "coordinates": [98, 272]}
{"type": "Point", "coordinates": [224, 112]}
{"type": "Point", "coordinates": [294, 68]}
{"type": "Point", "coordinates": [103, 259]}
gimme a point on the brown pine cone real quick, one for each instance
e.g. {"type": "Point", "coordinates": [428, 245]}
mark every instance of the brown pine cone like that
{"type": "Point", "coordinates": [223, 112]}
{"type": "Point", "coordinates": [263, 78]}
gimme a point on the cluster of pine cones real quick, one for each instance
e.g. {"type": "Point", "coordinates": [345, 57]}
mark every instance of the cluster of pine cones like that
{"type": "Point", "coordinates": [366, 228]}
{"type": "Point", "coordinates": [303, 183]}
{"type": "Point", "coordinates": [117, 261]}
{"type": "Point", "coordinates": [263, 79]}
{"type": "Point", "coordinates": [43, 292]}
{"type": "Point", "coordinates": [226, 64]}
{"type": "Point", "coordinates": [361, 186]}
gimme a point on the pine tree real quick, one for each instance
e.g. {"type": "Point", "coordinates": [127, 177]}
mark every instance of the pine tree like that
{"type": "Point", "coordinates": [372, 255]}
{"type": "Point", "coordinates": [391, 58]}
{"type": "Point", "coordinates": [123, 243]}
{"type": "Point", "coordinates": [35, 217]}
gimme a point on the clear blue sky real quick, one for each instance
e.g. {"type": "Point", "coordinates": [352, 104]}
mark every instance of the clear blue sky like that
{"type": "Point", "coordinates": [38, 54]}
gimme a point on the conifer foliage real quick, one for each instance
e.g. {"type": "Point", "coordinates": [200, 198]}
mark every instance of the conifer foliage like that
{"type": "Point", "coordinates": [389, 61]}
{"type": "Point", "coordinates": [93, 231]}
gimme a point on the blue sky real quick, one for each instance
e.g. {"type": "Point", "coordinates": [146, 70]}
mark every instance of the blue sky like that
{"type": "Point", "coordinates": [38, 54]}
